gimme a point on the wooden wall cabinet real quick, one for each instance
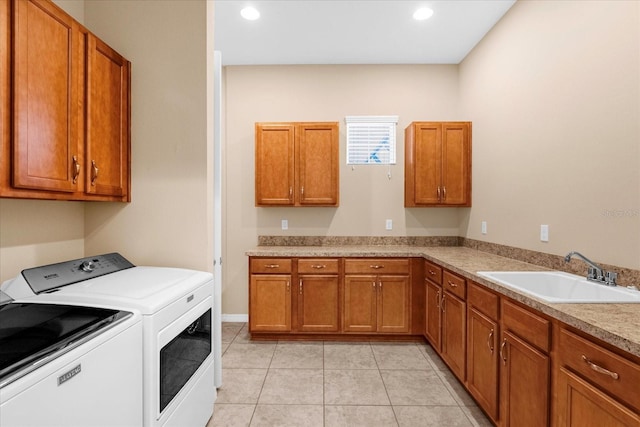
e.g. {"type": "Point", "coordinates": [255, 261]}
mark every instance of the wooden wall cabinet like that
{"type": "Point", "coordinates": [593, 386]}
{"type": "Point", "coordinates": [61, 147]}
{"type": "Point", "coordinates": [437, 164]}
{"type": "Point", "coordinates": [297, 164]}
{"type": "Point", "coordinates": [525, 367]}
{"type": "Point", "coordinates": [377, 296]}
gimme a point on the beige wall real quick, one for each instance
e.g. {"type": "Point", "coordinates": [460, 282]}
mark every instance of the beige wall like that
{"type": "Point", "coordinates": [169, 221]}
{"type": "Point", "coordinates": [367, 196]}
{"type": "Point", "coordinates": [554, 94]}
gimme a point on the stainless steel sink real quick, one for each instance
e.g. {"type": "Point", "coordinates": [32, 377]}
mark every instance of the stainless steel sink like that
{"type": "Point", "coordinates": [561, 287]}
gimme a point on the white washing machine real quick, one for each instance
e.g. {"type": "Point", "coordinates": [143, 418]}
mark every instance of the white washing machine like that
{"type": "Point", "coordinates": [71, 365]}
{"type": "Point", "coordinates": [181, 329]}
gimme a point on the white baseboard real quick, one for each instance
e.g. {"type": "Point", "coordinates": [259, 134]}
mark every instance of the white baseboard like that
{"type": "Point", "coordinates": [235, 318]}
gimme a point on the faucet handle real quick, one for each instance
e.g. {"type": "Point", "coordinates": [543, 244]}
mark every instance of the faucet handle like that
{"type": "Point", "coordinates": [592, 273]}
{"type": "Point", "coordinates": [610, 278]}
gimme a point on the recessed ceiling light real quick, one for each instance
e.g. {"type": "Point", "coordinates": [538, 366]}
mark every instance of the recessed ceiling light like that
{"type": "Point", "coordinates": [250, 13]}
{"type": "Point", "coordinates": [422, 14]}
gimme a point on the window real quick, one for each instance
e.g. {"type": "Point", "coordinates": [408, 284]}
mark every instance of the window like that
{"type": "Point", "coordinates": [371, 140]}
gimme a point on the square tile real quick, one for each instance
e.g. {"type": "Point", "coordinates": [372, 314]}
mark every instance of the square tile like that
{"type": "Point", "coordinates": [354, 387]}
{"type": "Point", "coordinates": [426, 416]}
{"type": "Point", "coordinates": [248, 355]}
{"type": "Point", "coordinates": [298, 355]}
{"type": "Point", "coordinates": [241, 385]}
{"type": "Point", "coordinates": [359, 416]}
{"type": "Point", "coordinates": [416, 388]}
{"type": "Point", "coordinates": [230, 330]}
{"type": "Point", "coordinates": [231, 415]}
{"type": "Point", "coordinates": [293, 386]}
{"type": "Point", "coordinates": [400, 356]}
{"type": "Point", "coordinates": [288, 416]}
{"type": "Point", "coordinates": [436, 362]}
{"type": "Point", "coordinates": [349, 356]}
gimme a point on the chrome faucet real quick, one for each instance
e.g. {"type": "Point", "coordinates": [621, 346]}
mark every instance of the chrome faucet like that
{"type": "Point", "coordinates": [595, 273]}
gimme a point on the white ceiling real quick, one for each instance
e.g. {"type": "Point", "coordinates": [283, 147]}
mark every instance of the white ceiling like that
{"type": "Point", "coordinates": [352, 31]}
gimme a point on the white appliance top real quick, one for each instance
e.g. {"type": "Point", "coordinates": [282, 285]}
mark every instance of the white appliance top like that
{"type": "Point", "coordinates": [147, 289]}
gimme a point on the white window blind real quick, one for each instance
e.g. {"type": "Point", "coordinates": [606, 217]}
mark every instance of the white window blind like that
{"type": "Point", "coordinates": [371, 140]}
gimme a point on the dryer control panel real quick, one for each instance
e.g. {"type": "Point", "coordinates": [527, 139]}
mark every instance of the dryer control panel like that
{"type": "Point", "coordinates": [49, 278]}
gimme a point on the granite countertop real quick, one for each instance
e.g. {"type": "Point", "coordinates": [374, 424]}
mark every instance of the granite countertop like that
{"type": "Point", "coordinates": [616, 324]}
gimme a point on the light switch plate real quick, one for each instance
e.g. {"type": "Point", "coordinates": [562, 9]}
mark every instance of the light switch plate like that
{"type": "Point", "coordinates": [483, 227]}
{"type": "Point", "coordinates": [389, 224]}
{"type": "Point", "coordinates": [285, 224]}
{"type": "Point", "coordinates": [544, 233]}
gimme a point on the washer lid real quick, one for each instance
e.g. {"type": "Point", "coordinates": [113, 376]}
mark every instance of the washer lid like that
{"type": "Point", "coordinates": [32, 334]}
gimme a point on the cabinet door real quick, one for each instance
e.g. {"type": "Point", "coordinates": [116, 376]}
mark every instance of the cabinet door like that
{"type": "Point", "coordinates": [318, 303]}
{"type": "Point", "coordinates": [482, 361]}
{"type": "Point", "coordinates": [580, 404]}
{"type": "Point", "coordinates": [317, 163]}
{"type": "Point", "coordinates": [5, 99]}
{"type": "Point", "coordinates": [524, 383]}
{"type": "Point", "coordinates": [360, 303]}
{"type": "Point", "coordinates": [107, 148]}
{"type": "Point", "coordinates": [456, 176]}
{"type": "Point", "coordinates": [394, 307]}
{"type": "Point", "coordinates": [423, 165]}
{"type": "Point", "coordinates": [47, 88]}
{"type": "Point", "coordinates": [274, 164]}
{"type": "Point", "coordinates": [454, 325]}
{"type": "Point", "coordinates": [433, 315]}
{"type": "Point", "coordinates": [270, 303]}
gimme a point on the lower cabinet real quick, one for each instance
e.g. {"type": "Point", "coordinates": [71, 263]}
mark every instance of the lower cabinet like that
{"type": "Point", "coordinates": [525, 368]}
{"type": "Point", "coordinates": [270, 303]}
{"type": "Point", "coordinates": [454, 327]}
{"type": "Point", "coordinates": [433, 298]}
{"type": "Point", "coordinates": [594, 386]}
{"type": "Point", "coordinates": [318, 296]}
{"type": "Point", "coordinates": [482, 348]}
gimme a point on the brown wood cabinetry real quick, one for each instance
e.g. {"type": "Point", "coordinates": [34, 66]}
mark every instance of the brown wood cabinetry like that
{"type": "Point", "coordinates": [318, 295]}
{"type": "Point", "coordinates": [594, 386]}
{"type": "Point", "coordinates": [61, 147]}
{"type": "Point", "coordinates": [454, 323]}
{"type": "Point", "coordinates": [377, 296]}
{"type": "Point", "coordinates": [438, 164]}
{"type": "Point", "coordinates": [525, 367]}
{"type": "Point", "coordinates": [482, 348]}
{"type": "Point", "coordinates": [433, 295]}
{"type": "Point", "coordinates": [296, 164]}
{"type": "Point", "coordinates": [270, 295]}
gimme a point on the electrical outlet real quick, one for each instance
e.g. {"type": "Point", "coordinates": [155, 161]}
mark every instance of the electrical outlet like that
{"type": "Point", "coordinates": [389, 224]}
{"type": "Point", "coordinates": [285, 224]}
{"type": "Point", "coordinates": [483, 227]}
{"type": "Point", "coordinates": [544, 233]}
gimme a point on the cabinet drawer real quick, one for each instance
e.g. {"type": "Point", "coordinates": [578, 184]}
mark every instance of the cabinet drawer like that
{"type": "Point", "coordinates": [376, 266]}
{"type": "Point", "coordinates": [612, 373]}
{"type": "Point", "coordinates": [486, 302]}
{"type": "Point", "coordinates": [318, 266]}
{"type": "Point", "coordinates": [433, 272]}
{"type": "Point", "coordinates": [528, 326]}
{"type": "Point", "coordinates": [270, 265]}
{"type": "Point", "coordinates": [454, 284]}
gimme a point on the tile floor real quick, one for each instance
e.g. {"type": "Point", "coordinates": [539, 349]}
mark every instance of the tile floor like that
{"type": "Point", "coordinates": [327, 383]}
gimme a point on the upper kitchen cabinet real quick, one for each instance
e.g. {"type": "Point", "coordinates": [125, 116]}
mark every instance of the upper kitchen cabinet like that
{"type": "Point", "coordinates": [437, 164]}
{"type": "Point", "coordinates": [297, 164]}
{"type": "Point", "coordinates": [107, 148]}
{"type": "Point", "coordinates": [65, 118]}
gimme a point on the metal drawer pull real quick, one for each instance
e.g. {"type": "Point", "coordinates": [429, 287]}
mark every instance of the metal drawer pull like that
{"type": "Point", "coordinates": [431, 272]}
{"type": "Point", "coordinates": [438, 300]}
{"type": "Point", "coordinates": [374, 283]}
{"type": "Point", "coordinates": [318, 266]}
{"type": "Point", "coordinates": [272, 266]}
{"type": "Point", "coordinates": [599, 369]}
{"type": "Point", "coordinates": [438, 193]}
{"type": "Point", "coordinates": [376, 266]}
{"type": "Point", "coordinates": [444, 193]}
{"type": "Point", "coordinates": [76, 169]}
{"type": "Point", "coordinates": [490, 341]}
{"type": "Point", "coordinates": [380, 284]}
{"type": "Point", "coordinates": [288, 286]}
{"type": "Point", "coordinates": [300, 287]}
{"type": "Point", "coordinates": [453, 285]}
{"type": "Point", "coordinates": [502, 356]}
{"type": "Point", "coordinates": [442, 301]}
{"type": "Point", "coordinates": [94, 172]}
{"type": "Point", "coordinates": [290, 192]}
